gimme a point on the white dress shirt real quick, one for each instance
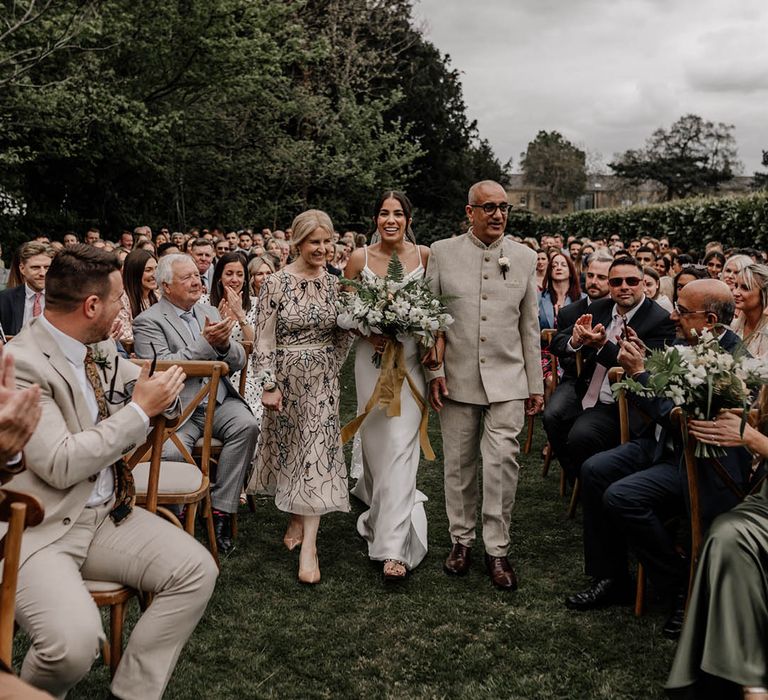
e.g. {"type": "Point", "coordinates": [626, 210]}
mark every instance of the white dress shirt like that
{"type": "Point", "coordinates": [29, 303]}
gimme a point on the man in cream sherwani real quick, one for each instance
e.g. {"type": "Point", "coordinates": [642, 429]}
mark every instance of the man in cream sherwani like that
{"type": "Point", "coordinates": [491, 375]}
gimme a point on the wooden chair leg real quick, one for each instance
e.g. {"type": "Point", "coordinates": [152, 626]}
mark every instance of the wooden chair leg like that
{"type": "Point", "coordinates": [547, 459]}
{"type": "Point", "coordinates": [233, 525]}
{"type": "Point", "coordinates": [189, 518]}
{"type": "Point", "coordinates": [562, 483]}
{"type": "Point", "coordinates": [251, 503]}
{"type": "Point", "coordinates": [208, 514]}
{"type": "Point", "coordinates": [640, 591]}
{"type": "Point", "coordinates": [116, 617]}
{"type": "Point", "coordinates": [575, 494]}
{"type": "Point", "coordinates": [529, 438]}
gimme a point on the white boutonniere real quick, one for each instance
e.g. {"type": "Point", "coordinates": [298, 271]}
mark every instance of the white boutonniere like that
{"type": "Point", "coordinates": [101, 361]}
{"type": "Point", "coordinates": [504, 265]}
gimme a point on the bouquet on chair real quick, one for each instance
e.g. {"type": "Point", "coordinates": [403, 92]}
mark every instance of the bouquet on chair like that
{"type": "Point", "coordinates": [394, 306]}
{"type": "Point", "coordinates": [702, 379]}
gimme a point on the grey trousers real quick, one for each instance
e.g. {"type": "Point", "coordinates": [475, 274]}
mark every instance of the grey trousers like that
{"type": "Point", "coordinates": [238, 430]}
{"type": "Point", "coordinates": [469, 432]}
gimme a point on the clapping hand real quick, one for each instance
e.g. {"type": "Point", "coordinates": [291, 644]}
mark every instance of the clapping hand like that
{"type": "Point", "coordinates": [231, 306]}
{"type": "Point", "coordinates": [116, 331]}
{"type": "Point", "coordinates": [632, 352]}
{"type": "Point", "coordinates": [157, 393]}
{"type": "Point", "coordinates": [217, 333]}
{"type": "Point", "coordinates": [19, 410]}
{"type": "Point", "coordinates": [584, 334]}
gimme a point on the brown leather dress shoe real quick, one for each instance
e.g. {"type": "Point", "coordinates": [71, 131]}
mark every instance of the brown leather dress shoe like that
{"type": "Point", "coordinates": [457, 563]}
{"type": "Point", "coordinates": [501, 572]}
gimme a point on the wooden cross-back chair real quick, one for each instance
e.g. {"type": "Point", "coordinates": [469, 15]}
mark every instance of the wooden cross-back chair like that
{"type": "Point", "coordinates": [692, 474]}
{"type": "Point", "coordinates": [185, 483]}
{"type": "Point", "coordinates": [546, 338]}
{"type": "Point", "coordinates": [19, 510]}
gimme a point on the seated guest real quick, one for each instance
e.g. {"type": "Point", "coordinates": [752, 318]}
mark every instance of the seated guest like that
{"type": "Point", "coordinates": [652, 284]}
{"type": "Point", "coordinates": [564, 404]}
{"type": "Point", "coordinates": [202, 252]}
{"type": "Point", "coordinates": [722, 651]}
{"type": "Point", "coordinates": [180, 328]}
{"type": "Point", "coordinates": [561, 288]}
{"type": "Point", "coordinates": [19, 305]}
{"type": "Point", "coordinates": [259, 269]}
{"type": "Point", "coordinates": [96, 409]}
{"type": "Point", "coordinates": [714, 261]}
{"type": "Point", "coordinates": [596, 333]}
{"type": "Point", "coordinates": [733, 266]}
{"type": "Point", "coordinates": [140, 289]}
{"type": "Point", "coordinates": [751, 296]}
{"type": "Point", "coordinates": [630, 491]}
{"type": "Point", "coordinates": [687, 274]}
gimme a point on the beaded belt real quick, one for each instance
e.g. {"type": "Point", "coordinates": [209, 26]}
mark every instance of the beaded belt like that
{"type": "Point", "coordinates": [307, 346]}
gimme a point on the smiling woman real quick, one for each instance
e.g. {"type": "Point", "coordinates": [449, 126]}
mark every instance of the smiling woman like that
{"type": "Point", "coordinates": [298, 356]}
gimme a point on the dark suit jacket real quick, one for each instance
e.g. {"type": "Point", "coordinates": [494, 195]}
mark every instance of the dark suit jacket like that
{"type": "Point", "coordinates": [715, 497]}
{"type": "Point", "coordinates": [651, 323]}
{"type": "Point", "coordinates": [12, 309]}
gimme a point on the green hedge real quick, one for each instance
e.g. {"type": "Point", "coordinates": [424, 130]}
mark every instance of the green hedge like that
{"type": "Point", "coordinates": [736, 221]}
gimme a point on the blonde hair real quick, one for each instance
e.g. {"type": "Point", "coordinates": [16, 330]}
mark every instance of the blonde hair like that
{"type": "Point", "coordinates": [308, 222]}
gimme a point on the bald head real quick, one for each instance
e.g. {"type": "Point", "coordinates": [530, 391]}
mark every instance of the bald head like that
{"type": "Point", "coordinates": [703, 304]}
{"type": "Point", "coordinates": [482, 186]}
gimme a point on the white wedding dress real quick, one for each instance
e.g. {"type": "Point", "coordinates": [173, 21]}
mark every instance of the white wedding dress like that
{"type": "Point", "coordinates": [395, 524]}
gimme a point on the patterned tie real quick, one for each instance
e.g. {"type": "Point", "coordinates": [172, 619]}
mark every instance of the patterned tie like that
{"type": "Point", "coordinates": [192, 324]}
{"type": "Point", "coordinates": [37, 308]}
{"type": "Point", "coordinates": [124, 487]}
{"type": "Point", "coordinates": [598, 376]}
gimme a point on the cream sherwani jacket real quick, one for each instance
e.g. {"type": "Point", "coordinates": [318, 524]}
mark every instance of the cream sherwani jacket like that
{"type": "Point", "coordinates": [67, 450]}
{"type": "Point", "coordinates": [492, 349]}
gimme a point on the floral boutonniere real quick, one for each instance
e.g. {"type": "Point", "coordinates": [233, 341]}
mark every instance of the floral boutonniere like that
{"type": "Point", "coordinates": [504, 265]}
{"type": "Point", "coordinates": [102, 361]}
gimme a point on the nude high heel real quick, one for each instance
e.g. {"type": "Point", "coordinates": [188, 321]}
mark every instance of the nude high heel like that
{"type": "Point", "coordinates": [312, 575]}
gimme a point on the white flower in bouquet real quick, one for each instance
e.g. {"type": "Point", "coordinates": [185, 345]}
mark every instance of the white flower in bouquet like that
{"type": "Point", "coordinates": [394, 306]}
{"type": "Point", "coordinates": [703, 379]}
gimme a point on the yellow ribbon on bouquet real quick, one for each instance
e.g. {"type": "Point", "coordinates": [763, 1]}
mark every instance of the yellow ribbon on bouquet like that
{"type": "Point", "coordinates": [386, 395]}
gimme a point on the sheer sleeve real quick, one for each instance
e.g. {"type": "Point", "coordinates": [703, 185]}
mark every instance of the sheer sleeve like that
{"type": "Point", "coordinates": [266, 331]}
{"type": "Point", "coordinates": [126, 318]}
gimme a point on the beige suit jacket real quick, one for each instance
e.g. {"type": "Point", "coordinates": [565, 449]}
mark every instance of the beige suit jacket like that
{"type": "Point", "coordinates": [67, 450]}
{"type": "Point", "coordinates": [492, 349]}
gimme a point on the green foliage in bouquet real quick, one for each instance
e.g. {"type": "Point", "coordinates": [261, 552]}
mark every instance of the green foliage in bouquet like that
{"type": "Point", "coordinates": [702, 379]}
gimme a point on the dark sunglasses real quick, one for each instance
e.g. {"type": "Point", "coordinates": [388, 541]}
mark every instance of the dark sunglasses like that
{"type": "Point", "coordinates": [630, 281]}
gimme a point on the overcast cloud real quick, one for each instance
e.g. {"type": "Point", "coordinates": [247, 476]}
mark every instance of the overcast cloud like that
{"type": "Point", "coordinates": [606, 74]}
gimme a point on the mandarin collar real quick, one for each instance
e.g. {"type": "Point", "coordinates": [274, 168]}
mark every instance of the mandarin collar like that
{"type": "Point", "coordinates": [476, 241]}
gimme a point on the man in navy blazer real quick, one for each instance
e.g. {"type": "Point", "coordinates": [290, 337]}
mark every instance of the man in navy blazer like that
{"type": "Point", "coordinates": [19, 305]}
{"type": "Point", "coordinates": [595, 427]}
{"type": "Point", "coordinates": [564, 404]}
{"type": "Point", "coordinates": [628, 492]}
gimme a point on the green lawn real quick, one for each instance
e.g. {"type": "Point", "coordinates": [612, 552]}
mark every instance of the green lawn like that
{"type": "Point", "coordinates": [266, 636]}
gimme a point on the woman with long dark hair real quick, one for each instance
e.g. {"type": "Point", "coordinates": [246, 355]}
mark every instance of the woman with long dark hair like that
{"type": "Point", "coordinates": [395, 524]}
{"type": "Point", "coordinates": [139, 289]}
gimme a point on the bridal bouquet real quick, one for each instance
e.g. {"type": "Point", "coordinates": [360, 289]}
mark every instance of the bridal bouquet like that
{"type": "Point", "coordinates": [393, 306]}
{"type": "Point", "coordinates": [702, 379]}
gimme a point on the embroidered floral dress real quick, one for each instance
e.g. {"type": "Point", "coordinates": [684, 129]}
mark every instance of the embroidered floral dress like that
{"type": "Point", "coordinates": [299, 458]}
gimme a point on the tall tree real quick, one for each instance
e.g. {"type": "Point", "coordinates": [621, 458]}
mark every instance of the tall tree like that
{"type": "Point", "coordinates": [760, 181]}
{"type": "Point", "coordinates": [553, 162]}
{"type": "Point", "coordinates": [693, 156]}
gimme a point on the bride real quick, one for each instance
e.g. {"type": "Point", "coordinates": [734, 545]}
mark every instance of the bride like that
{"type": "Point", "coordinates": [395, 524]}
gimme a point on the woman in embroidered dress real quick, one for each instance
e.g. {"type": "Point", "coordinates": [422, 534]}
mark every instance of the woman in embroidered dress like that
{"type": "Point", "coordinates": [298, 356]}
{"type": "Point", "coordinates": [395, 524]}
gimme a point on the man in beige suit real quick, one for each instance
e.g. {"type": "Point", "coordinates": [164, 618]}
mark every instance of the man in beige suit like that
{"type": "Point", "coordinates": [96, 409]}
{"type": "Point", "coordinates": [491, 375]}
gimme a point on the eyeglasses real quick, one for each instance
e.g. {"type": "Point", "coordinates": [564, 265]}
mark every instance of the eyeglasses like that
{"type": "Point", "coordinates": [490, 208]}
{"type": "Point", "coordinates": [629, 281]}
{"type": "Point", "coordinates": [682, 311]}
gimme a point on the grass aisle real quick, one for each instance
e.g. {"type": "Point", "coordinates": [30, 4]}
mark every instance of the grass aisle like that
{"type": "Point", "coordinates": [266, 636]}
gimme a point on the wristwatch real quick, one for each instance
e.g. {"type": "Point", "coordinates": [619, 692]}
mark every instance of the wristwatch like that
{"type": "Point", "coordinates": [269, 386]}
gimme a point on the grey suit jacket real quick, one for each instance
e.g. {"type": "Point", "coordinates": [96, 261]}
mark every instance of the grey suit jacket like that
{"type": "Point", "coordinates": [492, 349]}
{"type": "Point", "coordinates": [160, 325]}
{"type": "Point", "coordinates": [67, 450]}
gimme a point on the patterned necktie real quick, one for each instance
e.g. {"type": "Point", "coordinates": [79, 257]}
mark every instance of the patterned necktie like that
{"type": "Point", "coordinates": [192, 324]}
{"type": "Point", "coordinates": [37, 308]}
{"type": "Point", "coordinates": [124, 487]}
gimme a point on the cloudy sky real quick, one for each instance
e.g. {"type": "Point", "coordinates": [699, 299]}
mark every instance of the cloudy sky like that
{"type": "Point", "coordinates": [606, 74]}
